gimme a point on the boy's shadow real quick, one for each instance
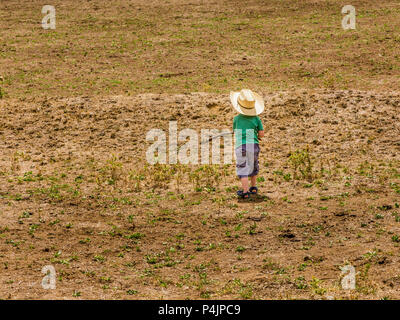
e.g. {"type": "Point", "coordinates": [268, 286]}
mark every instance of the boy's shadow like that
{"type": "Point", "coordinates": [254, 198]}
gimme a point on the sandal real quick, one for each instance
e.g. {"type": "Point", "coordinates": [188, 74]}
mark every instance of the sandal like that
{"type": "Point", "coordinates": [253, 190]}
{"type": "Point", "coordinates": [243, 195]}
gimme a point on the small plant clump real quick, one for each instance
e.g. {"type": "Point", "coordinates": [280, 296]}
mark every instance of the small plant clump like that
{"type": "Point", "coordinates": [301, 163]}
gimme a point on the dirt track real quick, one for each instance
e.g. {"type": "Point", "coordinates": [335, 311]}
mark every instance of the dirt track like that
{"type": "Point", "coordinates": [75, 193]}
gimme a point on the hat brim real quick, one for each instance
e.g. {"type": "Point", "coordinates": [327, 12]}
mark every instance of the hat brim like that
{"type": "Point", "coordinates": [258, 108]}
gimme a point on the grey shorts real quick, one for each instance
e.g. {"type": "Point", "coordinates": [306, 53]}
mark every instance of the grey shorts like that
{"type": "Point", "coordinates": [247, 160]}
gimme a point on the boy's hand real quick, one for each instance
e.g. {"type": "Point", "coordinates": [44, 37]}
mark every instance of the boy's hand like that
{"type": "Point", "coordinates": [260, 134]}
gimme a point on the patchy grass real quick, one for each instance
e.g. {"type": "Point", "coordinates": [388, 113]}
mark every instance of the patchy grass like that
{"type": "Point", "coordinates": [151, 46]}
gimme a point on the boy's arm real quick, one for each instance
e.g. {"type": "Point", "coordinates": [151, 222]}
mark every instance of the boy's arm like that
{"type": "Point", "coordinates": [260, 132]}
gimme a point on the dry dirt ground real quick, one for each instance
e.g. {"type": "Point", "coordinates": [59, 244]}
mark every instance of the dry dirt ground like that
{"type": "Point", "coordinates": [77, 193]}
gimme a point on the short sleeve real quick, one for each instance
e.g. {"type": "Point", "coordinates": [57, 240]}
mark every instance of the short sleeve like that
{"type": "Point", "coordinates": [259, 124]}
{"type": "Point", "coordinates": [234, 123]}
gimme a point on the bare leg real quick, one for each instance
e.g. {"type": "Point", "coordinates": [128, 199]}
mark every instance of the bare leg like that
{"type": "Point", "coordinates": [253, 181]}
{"type": "Point", "coordinates": [245, 184]}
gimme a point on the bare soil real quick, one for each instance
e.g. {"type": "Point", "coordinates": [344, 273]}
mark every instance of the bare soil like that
{"type": "Point", "coordinates": [77, 193]}
{"type": "Point", "coordinates": [70, 198]}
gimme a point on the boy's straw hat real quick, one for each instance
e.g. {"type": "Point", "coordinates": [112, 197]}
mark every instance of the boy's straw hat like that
{"type": "Point", "coordinates": [247, 102]}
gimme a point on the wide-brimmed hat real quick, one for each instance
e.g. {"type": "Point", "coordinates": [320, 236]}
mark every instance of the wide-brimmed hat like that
{"type": "Point", "coordinates": [247, 102]}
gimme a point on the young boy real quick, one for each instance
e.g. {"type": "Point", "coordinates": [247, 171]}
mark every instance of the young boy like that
{"type": "Point", "coordinates": [248, 130]}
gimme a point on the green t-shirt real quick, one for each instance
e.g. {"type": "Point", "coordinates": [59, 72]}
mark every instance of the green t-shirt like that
{"type": "Point", "coordinates": [246, 129]}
